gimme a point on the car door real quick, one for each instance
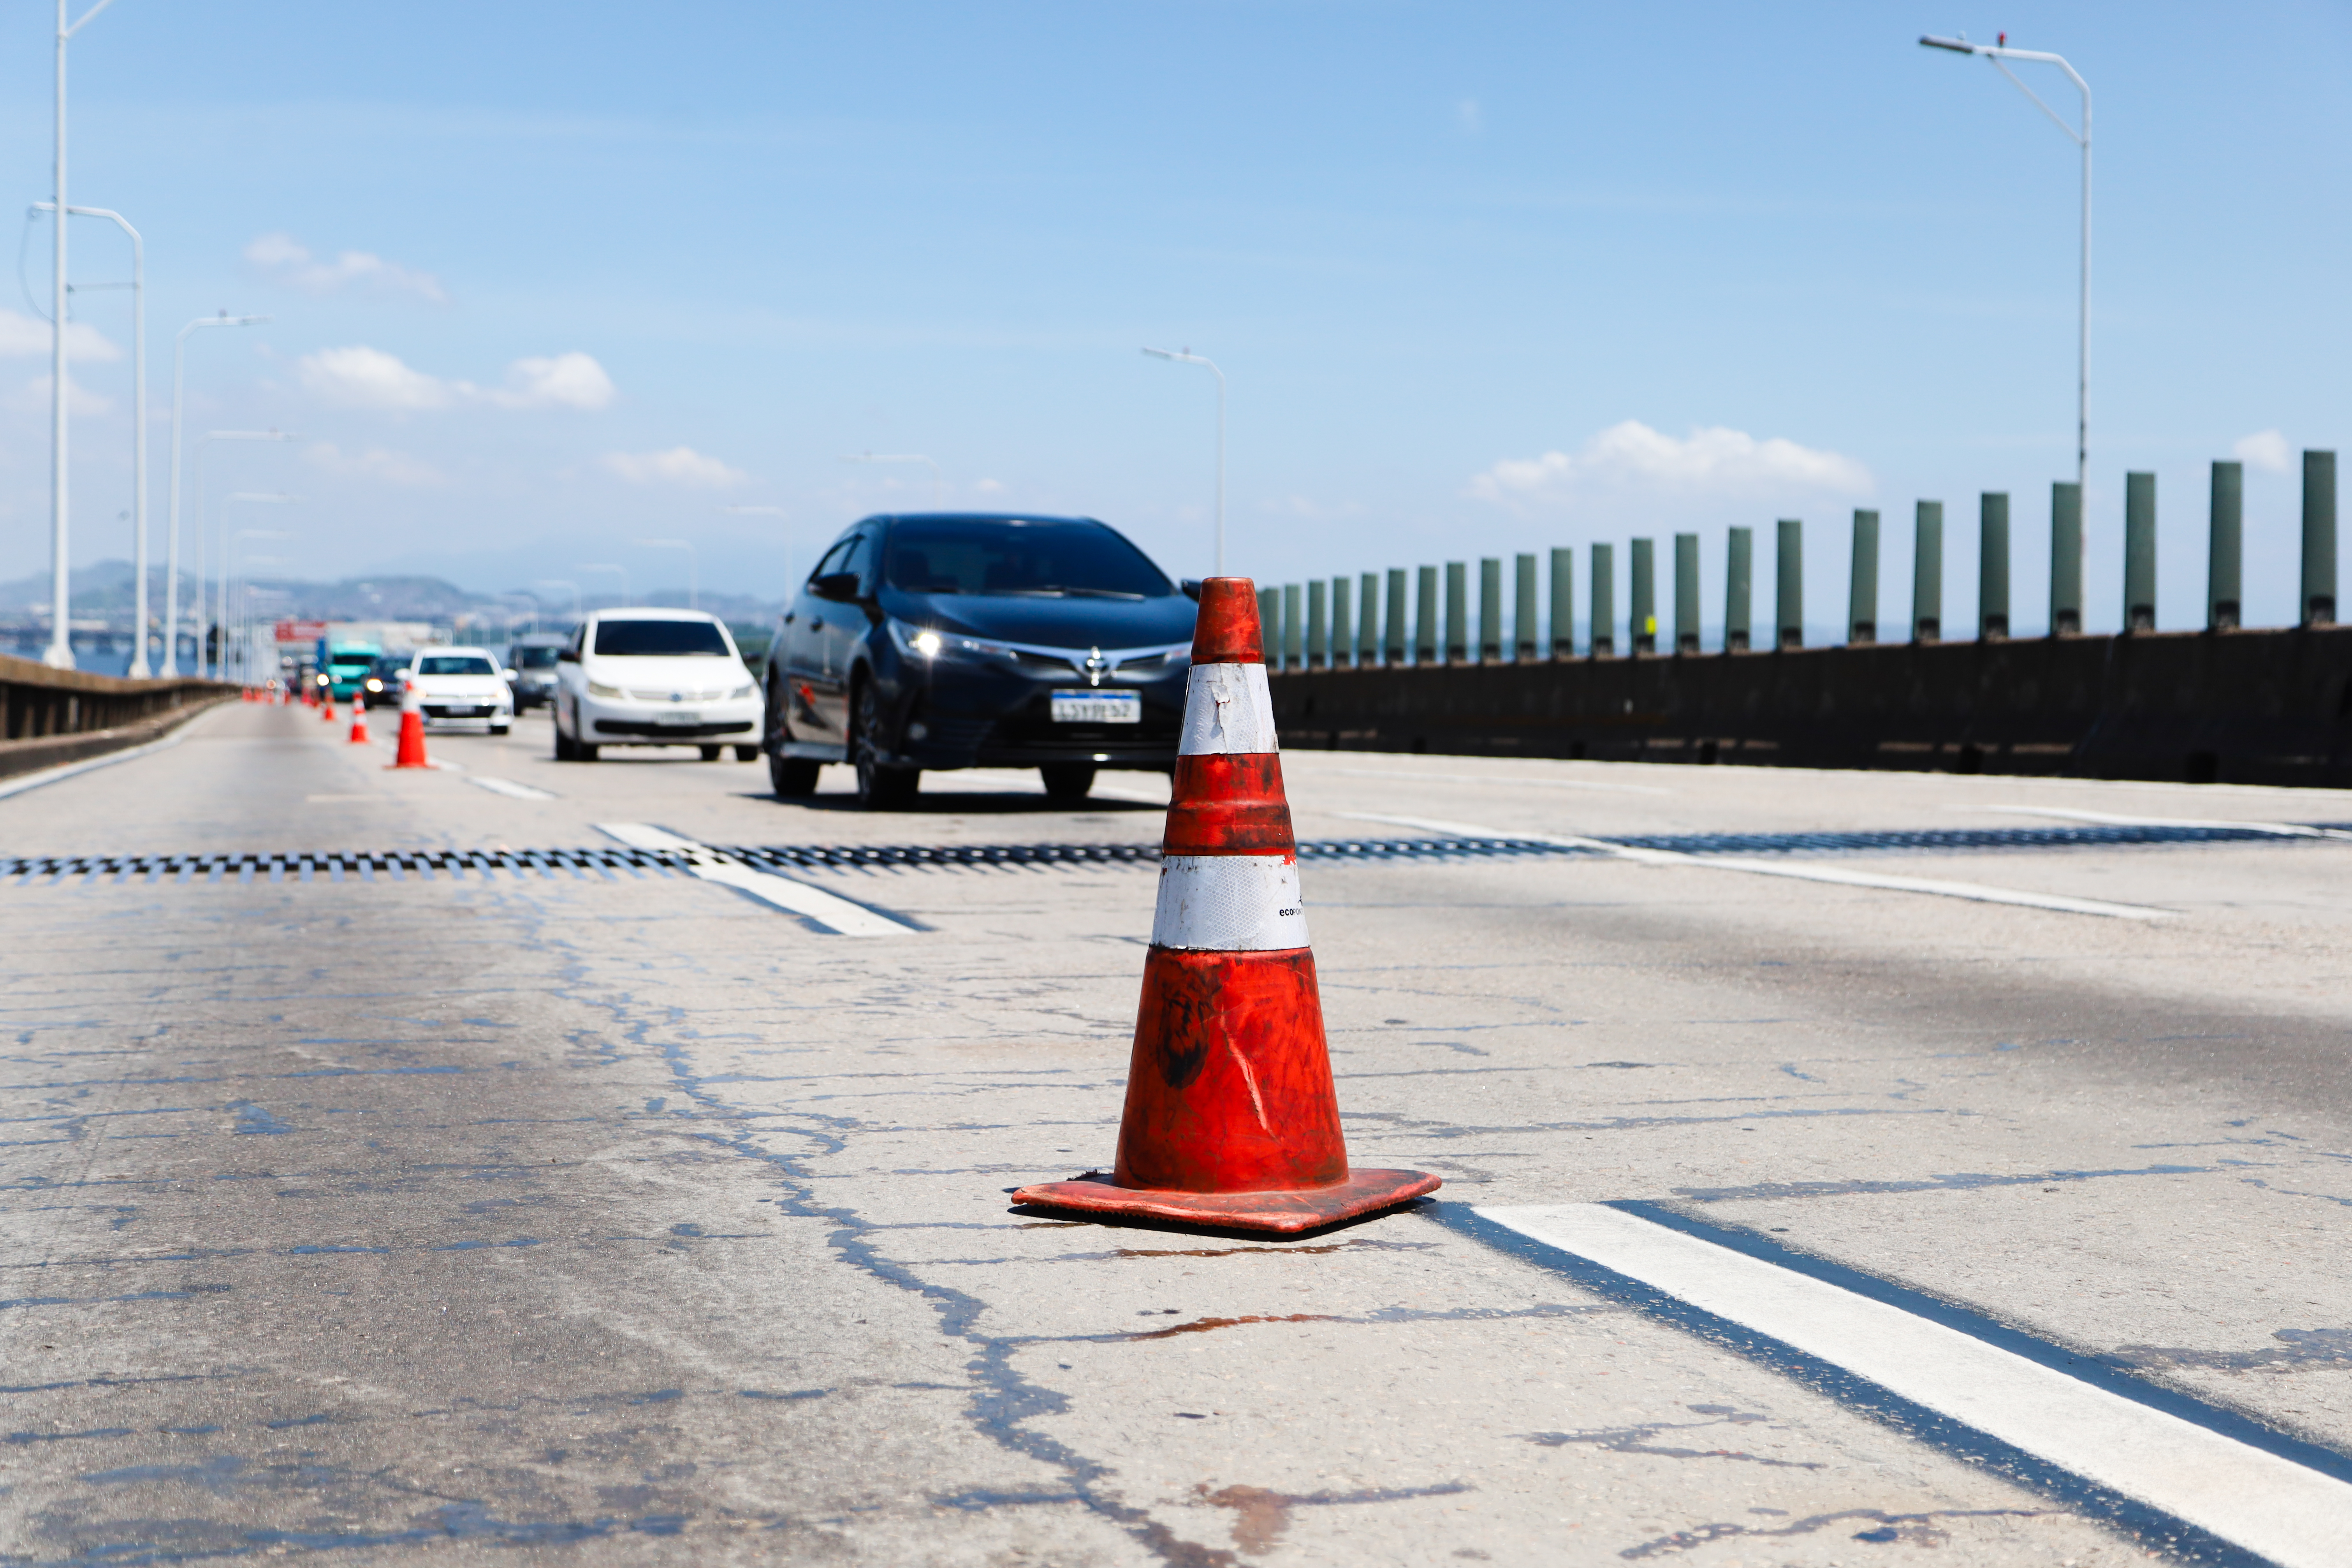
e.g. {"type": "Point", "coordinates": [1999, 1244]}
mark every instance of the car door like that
{"type": "Point", "coordinates": [844, 627]}
{"type": "Point", "coordinates": [805, 657]}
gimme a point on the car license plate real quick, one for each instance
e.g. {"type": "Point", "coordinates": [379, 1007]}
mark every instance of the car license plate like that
{"type": "Point", "coordinates": [1097, 708]}
{"type": "Point", "coordinates": [674, 716]}
{"type": "Point", "coordinates": [465, 713]}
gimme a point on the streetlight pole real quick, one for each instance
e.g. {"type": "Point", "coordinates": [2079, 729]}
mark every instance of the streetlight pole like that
{"type": "Point", "coordinates": [204, 531]}
{"type": "Point", "coordinates": [939, 475]}
{"type": "Point", "coordinates": [1188, 357]}
{"type": "Point", "coordinates": [171, 545]}
{"type": "Point", "coordinates": [1996, 54]}
{"type": "Point", "coordinates": [139, 420]}
{"type": "Point", "coordinates": [59, 654]}
{"type": "Point", "coordinates": [228, 547]}
{"type": "Point", "coordinates": [606, 566]}
{"type": "Point", "coordinates": [693, 569]}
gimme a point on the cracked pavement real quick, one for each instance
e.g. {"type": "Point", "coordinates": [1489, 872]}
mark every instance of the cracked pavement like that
{"type": "Point", "coordinates": [630, 1219]}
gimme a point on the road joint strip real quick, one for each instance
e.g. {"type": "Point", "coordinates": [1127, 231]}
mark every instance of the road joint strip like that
{"type": "Point", "coordinates": [1978, 892]}
{"type": "Point", "coordinates": [2166, 1467]}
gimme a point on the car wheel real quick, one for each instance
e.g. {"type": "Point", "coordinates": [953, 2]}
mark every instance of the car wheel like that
{"type": "Point", "coordinates": [791, 776]}
{"type": "Point", "coordinates": [880, 787]}
{"type": "Point", "coordinates": [711, 753]}
{"type": "Point", "coordinates": [585, 753]}
{"type": "Point", "coordinates": [565, 749]}
{"type": "Point", "coordinates": [498, 729]}
{"type": "Point", "coordinates": [747, 753]}
{"type": "Point", "coordinates": [1067, 780]}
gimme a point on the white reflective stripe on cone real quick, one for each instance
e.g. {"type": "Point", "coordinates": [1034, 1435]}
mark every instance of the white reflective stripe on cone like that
{"type": "Point", "coordinates": [1228, 712]}
{"type": "Point", "coordinates": [1229, 903]}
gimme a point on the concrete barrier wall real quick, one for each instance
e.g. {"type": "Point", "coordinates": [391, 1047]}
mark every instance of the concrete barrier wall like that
{"type": "Point", "coordinates": [51, 717]}
{"type": "Point", "coordinates": [2253, 707]}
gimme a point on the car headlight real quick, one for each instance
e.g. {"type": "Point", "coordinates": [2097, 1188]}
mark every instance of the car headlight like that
{"type": "Point", "coordinates": [743, 691]}
{"type": "Point", "coordinates": [923, 643]}
{"type": "Point", "coordinates": [598, 688]}
{"type": "Point", "coordinates": [375, 686]}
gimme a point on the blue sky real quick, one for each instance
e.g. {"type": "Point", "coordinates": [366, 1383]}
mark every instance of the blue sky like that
{"type": "Point", "coordinates": [548, 279]}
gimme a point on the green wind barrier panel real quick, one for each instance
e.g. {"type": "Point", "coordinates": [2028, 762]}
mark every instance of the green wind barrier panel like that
{"type": "Point", "coordinates": [2065, 559]}
{"type": "Point", "coordinates": [1992, 566]}
{"type": "Point", "coordinates": [1862, 593]}
{"type": "Point", "coordinates": [1927, 572]}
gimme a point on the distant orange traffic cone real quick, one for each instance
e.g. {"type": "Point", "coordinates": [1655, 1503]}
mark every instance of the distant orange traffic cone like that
{"type": "Point", "coordinates": [359, 720]}
{"type": "Point", "coordinates": [1230, 1119]}
{"type": "Point", "coordinates": [412, 732]}
{"type": "Point", "coordinates": [326, 704]}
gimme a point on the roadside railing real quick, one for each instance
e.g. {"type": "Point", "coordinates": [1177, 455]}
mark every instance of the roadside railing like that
{"type": "Point", "coordinates": [50, 717]}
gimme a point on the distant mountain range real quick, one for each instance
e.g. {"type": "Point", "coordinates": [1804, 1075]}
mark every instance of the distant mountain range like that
{"type": "Point", "coordinates": [107, 591]}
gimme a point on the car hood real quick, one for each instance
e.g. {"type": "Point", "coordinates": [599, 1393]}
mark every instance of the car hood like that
{"type": "Point", "coordinates": [698, 673]}
{"type": "Point", "coordinates": [459, 685]}
{"type": "Point", "coordinates": [1072, 623]}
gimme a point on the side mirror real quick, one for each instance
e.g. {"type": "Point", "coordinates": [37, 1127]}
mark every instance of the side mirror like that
{"type": "Point", "coordinates": [1191, 587]}
{"type": "Point", "coordinates": [839, 586]}
{"type": "Point", "coordinates": [510, 676]}
{"type": "Point", "coordinates": [567, 655]}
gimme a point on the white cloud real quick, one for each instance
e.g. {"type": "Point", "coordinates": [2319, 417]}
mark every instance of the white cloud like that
{"type": "Point", "coordinates": [566, 381]}
{"type": "Point", "coordinates": [287, 260]}
{"type": "Point", "coordinates": [362, 377]}
{"type": "Point", "coordinates": [1712, 462]}
{"type": "Point", "coordinates": [23, 337]}
{"type": "Point", "coordinates": [678, 465]}
{"type": "Point", "coordinates": [375, 463]}
{"type": "Point", "coordinates": [2265, 449]}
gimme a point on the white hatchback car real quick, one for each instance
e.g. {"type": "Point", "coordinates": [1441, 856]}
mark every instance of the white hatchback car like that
{"type": "Point", "coordinates": [461, 688]}
{"type": "Point", "coordinates": [655, 677]}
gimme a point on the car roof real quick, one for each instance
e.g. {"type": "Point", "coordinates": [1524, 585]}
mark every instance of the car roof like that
{"type": "Point", "coordinates": [651, 613]}
{"type": "Point", "coordinates": [458, 647]}
{"type": "Point", "coordinates": [974, 517]}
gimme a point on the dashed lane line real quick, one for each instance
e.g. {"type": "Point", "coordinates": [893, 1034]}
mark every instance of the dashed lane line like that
{"type": "Point", "coordinates": [509, 787]}
{"type": "Point", "coordinates": [2218, 1472]}
{"type": "Point", "coordinates": [838, 915]}
{"type": "Point", "coordinates": [1978, 892]}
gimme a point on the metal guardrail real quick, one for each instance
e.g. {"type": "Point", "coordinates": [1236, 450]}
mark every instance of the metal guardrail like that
{"type": "Point", "coordinates": [50, 717]}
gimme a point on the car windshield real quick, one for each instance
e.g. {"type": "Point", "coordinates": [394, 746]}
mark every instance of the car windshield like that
{"type": "Point", "coordinates": [624, 639]}
{"type": "Point", "coordinates": [351, 660]}
{"type": "Point", "coordinates": [534, 659]}
{"type": "Point", "coordinates": [992, 555]}
{"type": "Point", "coordinates": [454, 664]}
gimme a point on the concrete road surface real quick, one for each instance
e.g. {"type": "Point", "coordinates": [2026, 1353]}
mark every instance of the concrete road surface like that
{"type": "Point", "coordinates": [606, 1215]}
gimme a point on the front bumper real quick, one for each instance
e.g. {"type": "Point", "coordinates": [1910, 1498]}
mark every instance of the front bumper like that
{"type": "Point", "coordinates": [603, 722]}
{"type": "Point", "coordinates": [464, 716]}
{"type": "Point", "coordinates": [958, 718]}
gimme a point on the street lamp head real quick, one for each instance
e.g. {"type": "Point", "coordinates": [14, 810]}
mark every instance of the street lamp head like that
{"type": "Point", "coordinates": [1959, 46]}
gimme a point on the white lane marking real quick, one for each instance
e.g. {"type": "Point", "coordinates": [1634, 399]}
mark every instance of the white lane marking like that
{"type": "Point", "coordinates": [508, 787]}
{"type": "Point", "coordinates": [1229, 903]}
{"type": "Point", "coordinates": [2292, 1515]}
{"type": "Point", "coordinates": [35, 780]}
{"type": "Point", "coordinates": [1978, 892]}
{"type": "Point", "coordinates": [1398, 776]}
{"type": "Point", "coordinates": [835, 914]}
{"type": "Point", "coordinates": [1228, 712]}
{"type": "Point", "coordinates": [2283, 829]}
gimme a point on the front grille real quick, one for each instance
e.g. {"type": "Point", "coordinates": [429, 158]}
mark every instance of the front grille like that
{"type": "Point", "coordinates": [681, 695]}
{"type": "Point", "coordinates": [669, 731]}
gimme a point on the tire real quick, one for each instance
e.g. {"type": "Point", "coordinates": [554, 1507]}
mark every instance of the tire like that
{"type": "Point", "coordinates": [584, 754]}
{"type": "Point", "coordinates": [1067, 781]}
{"type": "Point", "coordinates": [711, 753]}
{"type": "Point", "coordinates": [566, 749]}
{"type": "Point", "coordinates": [498, 729]}
{"type": "Point", "coordinates": [880, 787]}
{"type": "Point", "coordinates": [792, 778]}
{"type": "Point", "coordinates": [747, 753]}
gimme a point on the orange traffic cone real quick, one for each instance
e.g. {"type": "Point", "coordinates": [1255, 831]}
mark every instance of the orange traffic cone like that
{"type": "Point", "coordinates": [359, 720]}
{"type": "Point", "coordinates": [1231, 1117]}
{"type": "Point", "coordinates": [326, 704]}
{"type": "Point", "coordinates": [412, 732]}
